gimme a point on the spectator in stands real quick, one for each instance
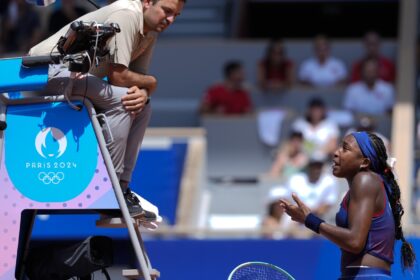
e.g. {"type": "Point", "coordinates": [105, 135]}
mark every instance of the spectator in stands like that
{"type": "Point", "coordinates": [371, 95]}
{"type": "Point", "coordinates": [67, 13]}
{"type": "Point", "coordinates": [323, 70]}
{"type": "Point", "coordinates": [368, 124]}
{"type": "Point", "coordinates": [315, 187]}
{"type": "Point", "coordinates": [386, 67]}
{"type": "Point", "coordinates": [320, 134]}
{"type": "Point", "coordinates": [275, 70]}
{"type": "Point", "coordinates": [272, 222]}
{"type": "Point", "coordinates": [290, 159]}
{"type": "Point", "coordinates": [21, 27]}
{"type": "Point", "coordinates": [229, 97]}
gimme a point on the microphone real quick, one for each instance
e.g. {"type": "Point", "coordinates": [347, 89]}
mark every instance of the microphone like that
{"type": "Point", "coordinates": [42, 3]}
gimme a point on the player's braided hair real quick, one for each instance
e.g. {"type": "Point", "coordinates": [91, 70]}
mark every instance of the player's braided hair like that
{"type": "Point", "coordinates": [408, 257]}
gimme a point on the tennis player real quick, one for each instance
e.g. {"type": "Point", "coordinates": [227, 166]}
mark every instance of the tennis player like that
{"type": "Point", "coordinates": [369, 219]}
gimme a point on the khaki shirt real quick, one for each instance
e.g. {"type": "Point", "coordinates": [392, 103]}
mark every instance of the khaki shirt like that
{"type": "Point", "coordinates": [130, 47]}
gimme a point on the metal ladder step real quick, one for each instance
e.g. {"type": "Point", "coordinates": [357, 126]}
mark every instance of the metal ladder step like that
{"type": "Point", "coordinates": [136, 274]}
{"type": "Point", "coordinates": [115, 223]}
{"type": "Point", "coordinates": [120, 223]}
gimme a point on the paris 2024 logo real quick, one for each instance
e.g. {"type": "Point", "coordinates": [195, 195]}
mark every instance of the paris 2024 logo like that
{"type": "Point", "coordinates": [51, 143]}
{"type": "Point", "coordinates": [54, 162]}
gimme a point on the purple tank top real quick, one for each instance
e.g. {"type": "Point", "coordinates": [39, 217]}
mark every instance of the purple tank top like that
{"type": "Point", "coordinates": [381, 235]}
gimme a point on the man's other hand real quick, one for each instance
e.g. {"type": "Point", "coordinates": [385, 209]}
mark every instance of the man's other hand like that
{"type": "Point", "coordinates": [135, 100]}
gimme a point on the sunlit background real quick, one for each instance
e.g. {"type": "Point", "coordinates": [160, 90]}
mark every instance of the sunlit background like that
{"type": "Point", "coordinates": [214, 166]}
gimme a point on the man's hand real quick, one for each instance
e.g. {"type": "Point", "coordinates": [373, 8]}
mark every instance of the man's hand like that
{"type": "Point", "coordinates": [135, 100]}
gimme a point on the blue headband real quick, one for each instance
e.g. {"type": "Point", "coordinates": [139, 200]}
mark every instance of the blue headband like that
{"type": "Point", "coordinates": [368, 151]}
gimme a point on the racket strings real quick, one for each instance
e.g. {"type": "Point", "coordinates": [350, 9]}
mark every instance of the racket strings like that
{"type": "Point", "coordinates": [259, 272]}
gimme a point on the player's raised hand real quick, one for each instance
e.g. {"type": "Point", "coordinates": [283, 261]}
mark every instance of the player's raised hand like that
{"type": "Point", "coordinates": [298, 211]}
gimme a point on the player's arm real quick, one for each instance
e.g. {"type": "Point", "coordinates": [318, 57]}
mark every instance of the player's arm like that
{"type": "Point", "coordinates": [363, 193]}
{"type": "Point", "coordinates": [360, 211]}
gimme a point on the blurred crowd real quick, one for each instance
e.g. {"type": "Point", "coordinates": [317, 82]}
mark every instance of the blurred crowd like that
{"type": "Point", "coordinates": [301, 163]}
{"type": "Point", "coordinates": [23, 25]}
{"type": "Point", "coordinates": [368, 84]}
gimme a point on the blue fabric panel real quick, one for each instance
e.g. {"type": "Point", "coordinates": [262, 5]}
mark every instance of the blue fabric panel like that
{"type": "Point", "coordinates": [157, 177]}
{"type": "Point", "coordinates": [16, 78]}
{"type": "Point", "coordinates": [64, 227]}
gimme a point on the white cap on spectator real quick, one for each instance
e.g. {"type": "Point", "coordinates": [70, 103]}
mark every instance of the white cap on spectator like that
{"type": "Point", "coordinates": [277, 193]}
{"type": "Point", "coordinates": [318, 157]}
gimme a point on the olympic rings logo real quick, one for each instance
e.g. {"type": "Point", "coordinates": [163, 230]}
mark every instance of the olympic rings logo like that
{"type": "Point", "coordinates": [51, 177]}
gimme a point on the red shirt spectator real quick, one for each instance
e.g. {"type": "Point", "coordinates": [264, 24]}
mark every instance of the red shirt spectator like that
{"type": "Point", "coordinates": [386, 68]}
{"type": "Point", "coordinates": [275, 70]}
{"type": "Point", "coordinates": [228, 97]}
{"type": "Point", "coordinates": [227, 101]}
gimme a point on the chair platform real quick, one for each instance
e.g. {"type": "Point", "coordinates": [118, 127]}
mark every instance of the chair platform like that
{"type": "Point", "coordinates": [136, 274]}
{"type": "Point", "coordinates": [116, 222]}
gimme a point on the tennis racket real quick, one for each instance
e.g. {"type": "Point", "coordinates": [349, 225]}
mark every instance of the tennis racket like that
{"type": "Point", "coordinates": [259, 271]}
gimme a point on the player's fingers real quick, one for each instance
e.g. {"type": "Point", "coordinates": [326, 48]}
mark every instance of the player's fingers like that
{"type": "Point", "coordinates": [297, 200]}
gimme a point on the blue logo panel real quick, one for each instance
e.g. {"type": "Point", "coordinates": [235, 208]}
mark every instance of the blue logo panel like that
{"type": "Point", "coordinates": [51, 151]}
